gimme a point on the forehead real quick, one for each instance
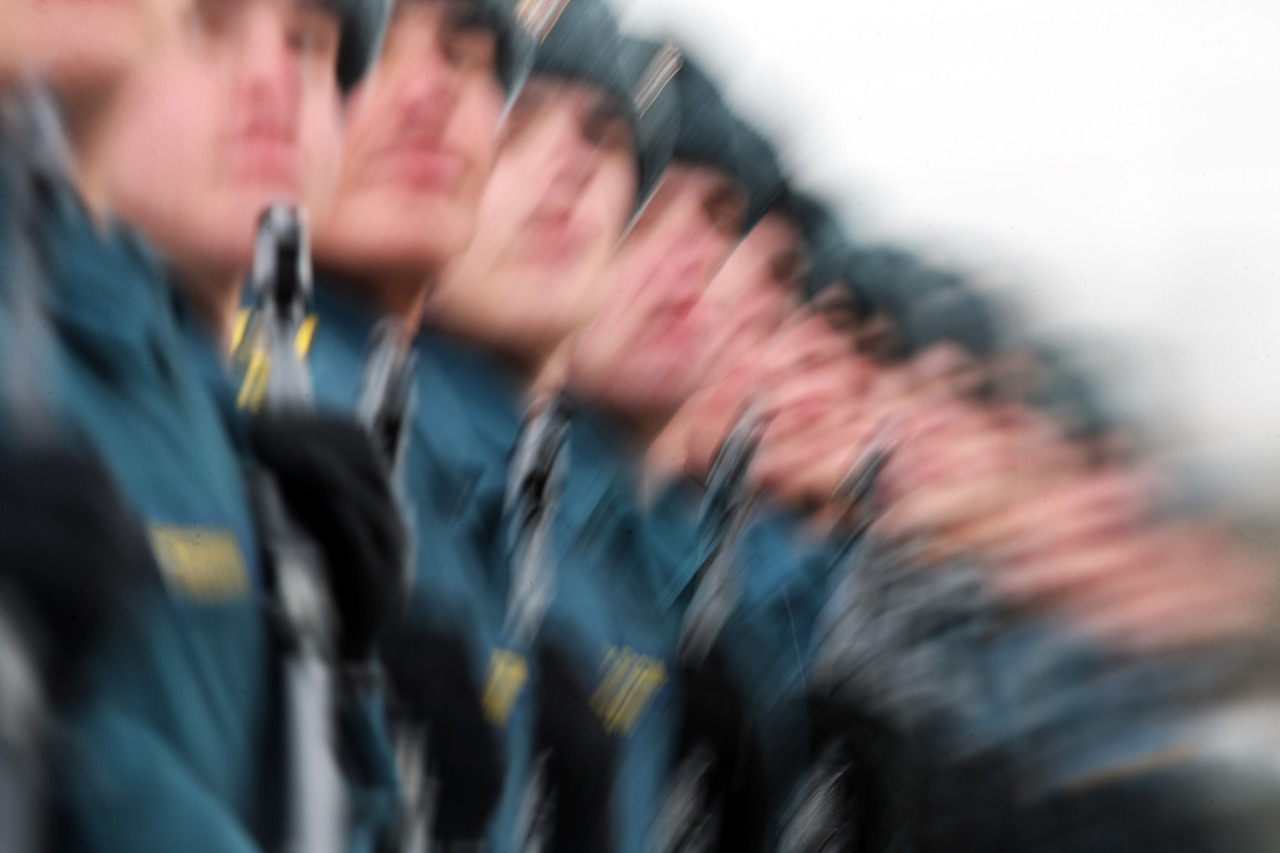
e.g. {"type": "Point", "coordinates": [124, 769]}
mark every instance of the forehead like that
{"type": "Point", "coordinates": [325, 7]}
{"type": "Point", "coordinates": [684, 176]}
{"type": "Point", "coordinates": [578, 95]}
{"type": "Point", "coordinates": [774, 234]}
{"type": "Point", "coordinates": [459, 14]}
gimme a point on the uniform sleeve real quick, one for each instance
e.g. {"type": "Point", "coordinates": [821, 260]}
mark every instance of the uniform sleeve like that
{"type": "Point", "coordinates": [124, 790]}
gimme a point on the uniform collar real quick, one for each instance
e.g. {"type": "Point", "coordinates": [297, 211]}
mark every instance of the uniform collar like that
{"type": "Point", "coordinates": [602, 496]}
{"type": "Point", "coordinates": [210, 368]}
{"type": "Point", "coordinates": [343, 309]}
{"type": "Point", "coordinates": [493, 393]}
{"type": "Point", "coordinates": [679, 549]}
{"type": "Point", "coordinates": [104, 289]}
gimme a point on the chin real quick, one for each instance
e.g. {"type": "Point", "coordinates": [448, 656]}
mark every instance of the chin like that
{"type": "Point", "coordinates": [418, 235]}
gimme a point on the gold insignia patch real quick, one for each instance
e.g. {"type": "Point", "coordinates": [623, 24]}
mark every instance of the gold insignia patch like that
{"type": "Point", "coordinates": [205, 565]}
{"type": "Point", "coordinates": [627, 687]}
{"type": "Point", "coordinates": [507, 675]}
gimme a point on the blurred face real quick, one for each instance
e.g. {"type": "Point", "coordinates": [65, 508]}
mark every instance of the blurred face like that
{"type": "Point", "coordinates": [645, 352]}
{"type": "Point", "coordinates": [755, 289]}
{"type": "Point", "coordinates": [815, 407]}
{"type": "Point", "coordinates": [242, 111]}
{"type": "Point", "coordinates": [419, 148]}
{"type": "Point", "coordinates": [560, 195]}
{"type": "Point", "coordinates": [82, 48]}
{"type": "Point", "coordinates": [947, 369]}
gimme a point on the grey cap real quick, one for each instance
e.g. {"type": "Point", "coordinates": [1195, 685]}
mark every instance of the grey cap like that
{"type": "Point", "coordinates": [875, 275]}
{"type": "Point", "coordinates": [708, 131]}
{"type": "Point", "coordinates": [761, 172]}
{"type": "Point", "coordinates": [1068, 393]}
{"type": "Point", "coordinates": [950, 313]}
{"type": "Point", "coordinates": [824, 236]}
{"type": "Point", "coordinates": [576, 40]}
{"type": "Point", "coordinates": [651, 68]}
{"type": "Point", "coordinates": [513, 49]}
{"type": "Point", "coordinates": [363, 23]}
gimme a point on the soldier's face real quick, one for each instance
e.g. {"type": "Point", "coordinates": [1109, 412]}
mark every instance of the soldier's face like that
{"type": "Point", "coordinates": [554, 209]}
{"type": "Point", "coordinates": [754, 291]}
{"type": "Point", "coordinates": [645, 351]}
{"type": "Point", "coordinates": [420, 145]}
{"type": "Point", "coordinates": [242, 111]}
{"type": "Point", "coordinates": [746, 304]}
{"type": "Point", "coordinates": [83, 48]}
{"type": "Point", "coordinates": [816, 387]}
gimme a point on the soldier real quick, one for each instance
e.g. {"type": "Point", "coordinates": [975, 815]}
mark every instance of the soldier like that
{"type": "Point", "coordinates": [625, 537]}
{"type": "Point", "coordinates": [576, 161]}
{"type": "Point", "coordinates": [72, 552]}
{"type": "Point", "coordinates": [421, 142]}
{"type": "Point", "coordinates": [168, 748]}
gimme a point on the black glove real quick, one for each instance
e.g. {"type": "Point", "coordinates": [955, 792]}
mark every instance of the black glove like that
{"type": "Point", "coordinates": [581, 759]}
{"type": "Point", "coordinates": [715, 719]}
{"type": "Point", "coordinates": [70, 552]}
{"type": "Point", "coordinates": [432, 686]}
{"type": "Point", "coordinates": [336, 486]}
{"type": "Point", "coordinates": [882, 773]}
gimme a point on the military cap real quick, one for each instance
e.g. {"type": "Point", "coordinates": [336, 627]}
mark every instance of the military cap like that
{"type": "Point", "coordinates": [824, 237]}
{"type": "Point", "coordinates": [761, 172]}
{"type": "Point", "coordinates": [576, 40]}
{"type": "Point", "coordinates": [579, 40]}
{"type": "Point", "coordinates": [513, 51]}
{"type": "Point", "coordinates": [875, 274]}
{"type": "Point", "coordinates": [650, 68]}
{"type": "Point", "coordinates": [953, 314]}
{"type": "Point", "coordinates": [708, 131]}
{"type": "Point", "coordinates": [363, 23]}
{"type": "Point", "coordinates": [1068, 393]}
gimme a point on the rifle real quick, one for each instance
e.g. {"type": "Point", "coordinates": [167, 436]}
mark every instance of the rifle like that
{"type": "Point", "coordinates": [533, 486]}
{"type": "Point", "coordinates": [277, 380]}
{"type": "Point", "coordinates": [385, 410]}
{"type": "Point", "coordinates": [534, 481]}
{"type": "Point", "coordinates": [726, 509]}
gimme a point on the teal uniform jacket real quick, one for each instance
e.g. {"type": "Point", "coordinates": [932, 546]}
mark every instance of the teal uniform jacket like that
{"type": "Point", "coordinates": [166, 751]}
{"type": "Point", "coordinates": [621, 582]}
{"type": "Point", "coordinates": [485, 407]}
{"type": "Point", "coordinates": [782, 577]}
{"type": "Point", "coordinates": [464, 425]}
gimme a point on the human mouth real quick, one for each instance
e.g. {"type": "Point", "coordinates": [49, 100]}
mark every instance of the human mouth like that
{"type": "Point", "coordinates": [420, 168]}
{"type": "Point", "coordinates": [267, 158]}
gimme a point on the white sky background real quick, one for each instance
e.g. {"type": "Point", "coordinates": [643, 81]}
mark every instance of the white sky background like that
{"type": "Point", "coordinates": [1116, 162]}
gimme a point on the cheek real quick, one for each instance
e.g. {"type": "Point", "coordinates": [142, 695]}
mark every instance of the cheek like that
{"type": "Point", "coordinates": [162, 159]}
{"type": "Point", "coordinates": [509, 195]}
{"type": "Point", "coordinates": [615, 187]}
{"type": "Point", "coordinates": [473, 128]}
{"type": "Point", "coordinates": [364, 107]}
{"type": "Point", "coordinates": [322, 152]}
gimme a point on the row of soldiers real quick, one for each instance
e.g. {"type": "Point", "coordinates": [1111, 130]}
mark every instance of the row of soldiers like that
{"type": "Point", "coordinates": [444, 425]}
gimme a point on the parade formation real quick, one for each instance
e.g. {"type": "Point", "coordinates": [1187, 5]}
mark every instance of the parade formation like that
{"type": "Point", "coordinates": [445, 425]}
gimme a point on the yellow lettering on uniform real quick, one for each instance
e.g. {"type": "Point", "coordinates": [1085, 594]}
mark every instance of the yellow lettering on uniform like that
{"type": "Point", "coordinates": [650, 678]}
{"type": "Point", "coordinates": [504, 680]}
{"type": "Point", "coordinates": [617, 666]}
{"type": "Point", "coordinates": [627, 687]}
{"type": "Point", "coordinates": [204, 564]}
